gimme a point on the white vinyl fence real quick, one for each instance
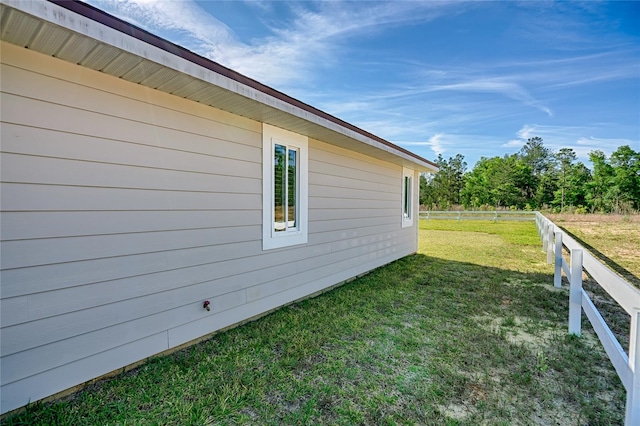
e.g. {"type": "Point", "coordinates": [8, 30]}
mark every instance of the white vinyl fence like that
{"type": "Point", "coordinates": [627, 296]}
{"type": "Point", "coordinates": [496, 215]}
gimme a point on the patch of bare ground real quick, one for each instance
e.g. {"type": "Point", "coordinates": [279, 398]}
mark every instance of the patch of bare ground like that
{"type": "Point", "coordinates": [613, 239]}
{"type": "Point", "coordinates": [594, 218]}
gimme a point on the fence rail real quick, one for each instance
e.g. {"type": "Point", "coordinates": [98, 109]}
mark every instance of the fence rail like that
{"type": "Point", "coordinates": [627, 296]}
{"type": "Point", "coordinates": [496, 215]}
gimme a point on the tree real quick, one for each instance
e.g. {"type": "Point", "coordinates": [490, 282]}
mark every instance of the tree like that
{"type": "Point", "coordinates": [444, 188]}
{"type": "Point", "coordinates": [578, 176]}
{"type": "Point", "coordinates": [497, 181]}
{"type": "Point", "coordinates": [536, 156]}
{"type": "Point", "coordinates": [597, 191]}
{"type": "Point", "coordinates": [626, 177]}
{"type": "Point", "coordinates": [536, 177]}
{"type": "Point", "coordinates": [565, 157]}
{"type": "Point", "coordinates": [541, 162]}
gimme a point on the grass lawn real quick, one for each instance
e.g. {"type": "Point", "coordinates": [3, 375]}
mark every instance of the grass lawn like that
{"type": "Point", "coordinates": [468, 331]}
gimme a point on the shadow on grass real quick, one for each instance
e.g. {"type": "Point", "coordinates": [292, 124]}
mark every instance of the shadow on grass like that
{"type": "Point", "coordinates": [621, 270]}
{"type": "Point", "coordinates": [422, 340]}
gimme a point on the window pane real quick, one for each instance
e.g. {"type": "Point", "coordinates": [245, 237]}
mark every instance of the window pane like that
{"type": "Point", "coordinates": [279, 187]}
{"type": "Point", "coordinates": [292, 188]}
{"type": "Point", "coordinates": [407, 197]}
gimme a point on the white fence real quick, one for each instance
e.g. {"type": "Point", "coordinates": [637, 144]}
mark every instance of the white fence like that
{"type": "Point", "coordinates": [627, 296]}
{"type": "Point", "coordinates": [495, 216]}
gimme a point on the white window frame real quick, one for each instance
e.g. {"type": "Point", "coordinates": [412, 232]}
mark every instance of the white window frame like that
{"type": "Point", "coordinates": [407, 215]}
{"type": "Point", "coordinates": [271, 239]}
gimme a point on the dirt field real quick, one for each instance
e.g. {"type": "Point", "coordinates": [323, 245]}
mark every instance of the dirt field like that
{"type": "Point", "coordinates": [614, 239]}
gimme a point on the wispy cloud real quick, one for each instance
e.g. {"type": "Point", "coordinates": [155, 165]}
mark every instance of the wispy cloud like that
{"type": "Point", "coordinates": [497, 86]}
{"type": "Point", "coordinates": [513, 143]}
{"type": "Point", "coordinates": [293, 51]}
{"type": "Point", "coordinates": [435, 142]}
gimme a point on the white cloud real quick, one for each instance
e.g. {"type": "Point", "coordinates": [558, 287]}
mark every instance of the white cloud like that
{"type": "Point", "coordinates": [498, 86]}
{"type": "Point", "coordinates": [591, 141]}
{"type": "Point", "coordinates": [295, 49]}
{"type": "Point", "coordinates": [437, 143]}
{"type": "Point", "coordinates": [526, 132]}
{"type": "Point", "coordinates": [513, 143]}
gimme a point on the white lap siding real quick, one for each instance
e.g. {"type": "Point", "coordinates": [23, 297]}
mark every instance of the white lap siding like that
{"type": "Point", "coordinates": [124, 208]}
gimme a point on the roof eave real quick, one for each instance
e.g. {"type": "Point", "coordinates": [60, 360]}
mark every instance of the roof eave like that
{"type": "Point", "coordinates": [194, 77]}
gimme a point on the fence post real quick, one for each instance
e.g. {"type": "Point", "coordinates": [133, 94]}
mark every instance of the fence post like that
{"type": "Point", "coordinates": [539, 224]}
{"type": "Point", "coordinates": [458, 215]}
{"type": "Point", "coordinates": [557, 275]}
{"type": "Point", "coordinates": [632, 416]}
{"type": "Point", "coordinates": [550, 244]}
{"type": "Point", "coordinates": [495, 216]}
{"type": "Point", "coordinates": [545, 235]}
{"type": "Point", "coordinates": [575, 293]}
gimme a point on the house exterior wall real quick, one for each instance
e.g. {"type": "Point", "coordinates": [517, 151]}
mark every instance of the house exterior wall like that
{"type": "Point", "coordinates": [124, 208]}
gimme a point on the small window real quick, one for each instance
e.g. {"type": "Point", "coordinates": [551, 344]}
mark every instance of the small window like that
{"type": "Point", "coordinates": [407, 197]}
{"type": "Point", "coordinates": [284, 173]}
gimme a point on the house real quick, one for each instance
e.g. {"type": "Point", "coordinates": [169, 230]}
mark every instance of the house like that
{"type": "Point", "coordinates": [140, 180]}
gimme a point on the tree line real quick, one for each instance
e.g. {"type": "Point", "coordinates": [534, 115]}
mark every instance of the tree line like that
{"type": "Point", "coordinates": [537, 178]}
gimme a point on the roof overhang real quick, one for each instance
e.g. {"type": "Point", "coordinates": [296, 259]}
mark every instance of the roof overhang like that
{"type": "Point", "coordinates": [82, 34]}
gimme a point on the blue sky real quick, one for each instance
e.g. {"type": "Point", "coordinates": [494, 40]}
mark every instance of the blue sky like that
{"type": "Point", "coordinates": [439, 77]}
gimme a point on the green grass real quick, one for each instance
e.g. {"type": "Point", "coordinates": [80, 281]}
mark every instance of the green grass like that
{"type": "Point", "coordinates": [468, 331]}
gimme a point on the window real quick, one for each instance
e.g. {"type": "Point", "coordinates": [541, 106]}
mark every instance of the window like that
{"type": "Point", "coordinates": [407, 197]}
{"type": "Point", "coordinates": [284, 188]}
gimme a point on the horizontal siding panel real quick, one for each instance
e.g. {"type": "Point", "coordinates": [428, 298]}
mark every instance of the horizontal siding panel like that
{"type": "Point", "coordinates": [133, 154]}
{"type": "Point", "coordinates": [173, 288]}
{"type": "Point", "coordinates": [372, 242]}
{"type": "Point", "coordinates": [22, 281]}
{"type": "Point", "coordinates": [60, 302]}
{"type": "Point", "coordinates": [23, 253]}
{"type": "Point", "coordinates": [24, 364]}
{"type": "Point", "coordinates": [32, 334]}
{"type": "Point", "coordinates": [356, 236]}
{"type": "Point", "coordinates": [345, 203]}
{"type": "Point", "coordinates": [30, 225]}
{"type": "Point", "coordinates": [13, 311]}
{"type": "Point", "coordinates": [24, 336]}
{"type": "Point", "coordinates": [316, 178]}
{"type": "Point", "coordinates": [38, 86]}
{"type": "Point", "coordinates": [318, 215]}
{"type": "Point", "coordinates": [336, 225]}
{"type": "Point", "coordinates": [339, 261]}
{"type": "Point", "coordinates": [20, 393]}
{"type": "Point", "coordinates": [54, 171]}
{"type": "Point", "coordinates": [332, 169]}
{"type": "Point", "coordinates": [146, 151]}
{"type": "Point", "coordinates": [329, 154]}
{"type": "Point", "coordinates": [29, 197]}
{"type": "Point", "coordinates": [43, 115]}
{"type": "Point", "coordinates": [335, 192]}
{"type": "Point", "coordinates": [247, 271]}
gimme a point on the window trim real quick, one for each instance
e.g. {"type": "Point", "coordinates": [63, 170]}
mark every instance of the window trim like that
{"type": "Point", "coordinates": [271, 136]}
{"type": "Point", "coordinates": [407, 215]}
